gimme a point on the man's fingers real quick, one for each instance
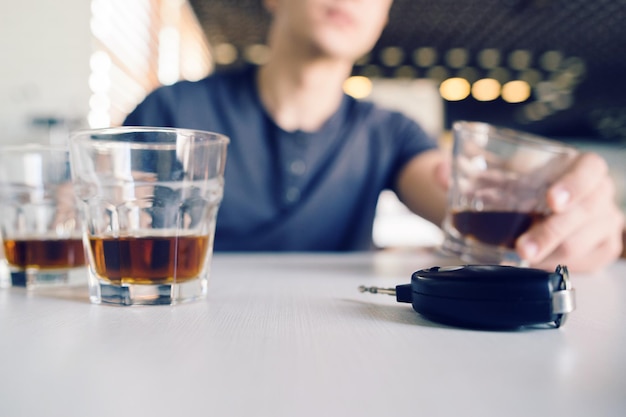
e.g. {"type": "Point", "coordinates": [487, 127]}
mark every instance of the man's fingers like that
{"type": "Point", "coordinates": [582, 259]}
{"type": "Point", "coordinates": [584, 175]}
{"type": "Point", "coordinates": [558, 228]}
{"type": "Point", "coordinates": [546, 236]}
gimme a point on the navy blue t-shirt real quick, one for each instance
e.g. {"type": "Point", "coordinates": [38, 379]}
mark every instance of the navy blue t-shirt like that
{"type": "Point", "coordinates": [290, 191]}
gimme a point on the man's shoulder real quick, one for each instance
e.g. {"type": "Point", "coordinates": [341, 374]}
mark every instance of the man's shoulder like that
{"type": "Point", "coordinates": [214, 83]}
{"type": "Point", "coordinates": [186, 102]}
{"type": "Point", "coordinates": [386, 125]}
{"type": "Point", "coordinates": [229, 75]}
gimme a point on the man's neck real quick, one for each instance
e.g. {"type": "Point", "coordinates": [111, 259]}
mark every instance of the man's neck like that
{"type": "Point", "coordinates": [302, 95]}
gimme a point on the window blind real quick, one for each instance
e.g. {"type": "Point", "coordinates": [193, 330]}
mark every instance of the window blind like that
{"type": "Point", "coordinates": [138, 46]}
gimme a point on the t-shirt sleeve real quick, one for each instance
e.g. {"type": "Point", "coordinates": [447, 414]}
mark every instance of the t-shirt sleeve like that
{"type": "Point", "coordinates": [409, 141]}
{"type": "Point", "coordinates": [413, 140]}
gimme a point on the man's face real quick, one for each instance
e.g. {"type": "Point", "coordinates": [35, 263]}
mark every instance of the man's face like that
{"type": "Point", "coordinates": [338, 28]}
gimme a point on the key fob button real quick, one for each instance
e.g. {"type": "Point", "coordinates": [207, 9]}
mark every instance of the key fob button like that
{"type": "Point", "coordinates": [451, 268]}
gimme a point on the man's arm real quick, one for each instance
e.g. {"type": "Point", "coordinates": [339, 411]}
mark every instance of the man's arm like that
{"type": "Point", "coordinates": [422, 185]}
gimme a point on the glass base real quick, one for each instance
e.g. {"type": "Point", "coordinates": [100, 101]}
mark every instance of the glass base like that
{"type": "Point", "coordinates": [477, 253]}
{"type": "Point", "coordinates": [32, 279]}
{"type": "Point", "coordinates": [103, 292]}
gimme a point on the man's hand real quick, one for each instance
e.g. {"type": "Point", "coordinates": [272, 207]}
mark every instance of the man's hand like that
{"type": "Point", "coordinates": [585, 230]}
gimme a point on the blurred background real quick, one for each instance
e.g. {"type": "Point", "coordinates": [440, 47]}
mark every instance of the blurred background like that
{"type": "Point", "coordinates": [551, 67]}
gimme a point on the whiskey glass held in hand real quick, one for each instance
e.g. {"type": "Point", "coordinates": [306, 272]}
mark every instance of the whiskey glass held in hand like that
{"type": "Point", "coordinates": [39, 223]}
{"type": "Point", "coordinates": [499, 182]}
{"type": "Point", "coordinates": [149, 198]}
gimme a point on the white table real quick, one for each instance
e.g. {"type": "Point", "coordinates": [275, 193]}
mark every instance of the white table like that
{"type": "Point", "coordinates": [290, 335]}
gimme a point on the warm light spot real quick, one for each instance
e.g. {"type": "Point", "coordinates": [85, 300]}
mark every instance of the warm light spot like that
{"type": "Point", "coordinates": [536, 111]}
{"type": "Point", "coordinates": [516, 91]}
{"type": "Point", "coordinates": [546, 91]}
{"type": "Point", "coordinates": [392, 56]}
{"type": "Point", "coordinates": [371, 71]}
{"type": "Point", "coordinates": [405, 71]}
{"type": "Point", "coordinates": [551, 60]}
{"type": "Point", "coordinates": [520, 59]}
{"type": "Point", "coordinates": [257, 54]}
{"type": "Point", "coordinates": [438, 73]}
{"type": "Point", "coordinates": [575, 66]}
{"type": "Point", "coordinates": [454, 89]}
{"type": "Point", "coordinates": [563, 80]}
{"type": "Point", "coordinates": [562, 101]}
{"type": "Point", "coordinates": [358, 86]}
{"type": "Point", "coordinates": [486, 89]}
{"type": "Point", "coordinates": [425, 57]}
{"type": "Point", "coordinates": [489, 58]}
{"type": "Point", "coordinates": [225, 53]}
{"type": "Point", "coordinates": [457, 57]}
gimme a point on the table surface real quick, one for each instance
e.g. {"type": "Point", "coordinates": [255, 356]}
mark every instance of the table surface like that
{"type": "Point", "coordinates": [290, 335]}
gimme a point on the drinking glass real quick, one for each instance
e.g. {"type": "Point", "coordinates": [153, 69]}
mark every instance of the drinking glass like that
{"type": "Point", "coordinates": [39, 222]}
{"type": "Point", "coordinates": [149, 198]}
{"type": "Point", "coordinates": [499, 182]}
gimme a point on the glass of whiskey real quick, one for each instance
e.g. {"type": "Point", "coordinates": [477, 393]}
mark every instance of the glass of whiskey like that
{"type": "Point", "coordinates": [500, 178]}
{"type": "Point", "coordinates": [39, 223]}
{"type": "Point", "coordinates": [149, 198]}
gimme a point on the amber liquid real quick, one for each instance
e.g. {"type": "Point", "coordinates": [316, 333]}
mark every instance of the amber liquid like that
{"type": "Point", "coordinates": [497, 228]}
{"type": "Point", "coordinates": [150, 259]}
{"type": "Point", "coordinates": [44, 253]}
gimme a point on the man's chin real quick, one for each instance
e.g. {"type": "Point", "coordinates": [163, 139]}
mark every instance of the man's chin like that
{"type": "Point", "coordinates": [336, 43]}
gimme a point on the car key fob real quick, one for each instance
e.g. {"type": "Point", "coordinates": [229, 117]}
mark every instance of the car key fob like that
{"type": "Point", "coordinates": [488, 296]}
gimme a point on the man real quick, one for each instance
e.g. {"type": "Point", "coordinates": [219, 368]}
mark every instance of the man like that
{"type": "Point", "coordinates": [306, 162]}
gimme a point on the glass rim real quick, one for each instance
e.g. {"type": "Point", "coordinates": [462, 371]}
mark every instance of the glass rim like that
{"type": "Point", "coordinates": [515, 136]}
{"type": "Point", "coordinates": [84, 136]}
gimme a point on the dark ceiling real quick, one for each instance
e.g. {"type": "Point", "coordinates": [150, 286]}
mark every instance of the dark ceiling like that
{"type": "Point", "coordinates": [572, 52]}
